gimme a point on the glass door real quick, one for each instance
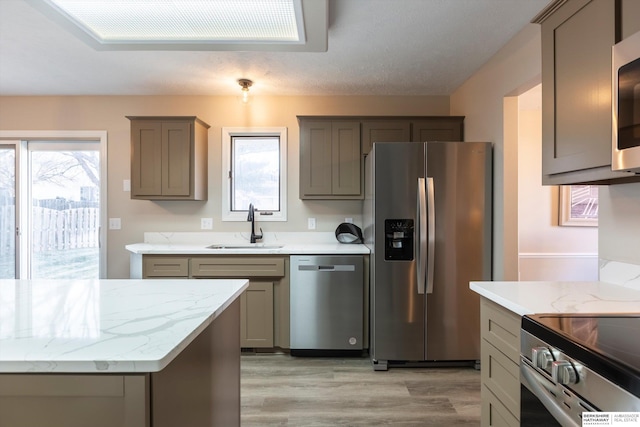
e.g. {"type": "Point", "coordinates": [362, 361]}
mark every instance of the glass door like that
{"type": "Point", "coordinates": [8, 231]}
{"type": "Point", "coordinates": [64, 205]}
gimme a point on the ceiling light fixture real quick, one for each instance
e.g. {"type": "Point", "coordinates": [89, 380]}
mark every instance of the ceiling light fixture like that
{"type": "Point", "coordinates": [245, 84]}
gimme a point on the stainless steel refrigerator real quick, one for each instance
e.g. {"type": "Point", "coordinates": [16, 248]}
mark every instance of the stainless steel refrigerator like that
{"type": "Point", "coordinates": [427, 221]}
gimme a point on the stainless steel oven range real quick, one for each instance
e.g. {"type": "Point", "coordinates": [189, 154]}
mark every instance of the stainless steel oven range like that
{"type": "Point", "coordinates": [575, 363]}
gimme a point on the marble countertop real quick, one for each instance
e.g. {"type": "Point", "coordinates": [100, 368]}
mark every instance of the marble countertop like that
{"type": "Point", "coordinates": [284, 243]}
{"type": "Point", "coordinates": [105, 326]}
{"type": "Point", "coordinates": [285, 249]}
{"type": "Point", "coordinates": [560, 297]}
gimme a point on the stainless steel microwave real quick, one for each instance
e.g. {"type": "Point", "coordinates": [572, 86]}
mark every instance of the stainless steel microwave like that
{"type": "Point", "coordinates": [625, 149]}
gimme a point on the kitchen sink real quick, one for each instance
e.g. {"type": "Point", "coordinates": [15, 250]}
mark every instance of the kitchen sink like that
{"type": "Point", "coordinates": [244, 246]}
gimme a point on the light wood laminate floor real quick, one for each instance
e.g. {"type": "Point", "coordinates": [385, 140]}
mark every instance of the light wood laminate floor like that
{"type": "Point", "coordinates": [280, 390]}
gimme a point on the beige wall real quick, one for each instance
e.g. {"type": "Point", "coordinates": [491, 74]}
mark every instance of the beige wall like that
{"type": "Point", "coordinates": [485, 100]}
{"type": "Point", "coordinates": [108, 113]}
{"type": "Point", "coordinates": [547, 251]}
{"type": "Point", "coordinates": [512, 71]}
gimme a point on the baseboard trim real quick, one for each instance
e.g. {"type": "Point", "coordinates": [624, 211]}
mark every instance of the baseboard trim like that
{"type": "Point", "coordinates": [544, 255]}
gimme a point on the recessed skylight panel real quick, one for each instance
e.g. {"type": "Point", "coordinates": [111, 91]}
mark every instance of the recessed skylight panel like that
{"type": "Point", "coordinates": [167, 21]}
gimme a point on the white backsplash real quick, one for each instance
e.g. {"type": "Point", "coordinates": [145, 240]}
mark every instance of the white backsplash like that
{"type": "Point", "coordinates": [210, 238]}
{"type": "Point", "coordinates": [620, 273]}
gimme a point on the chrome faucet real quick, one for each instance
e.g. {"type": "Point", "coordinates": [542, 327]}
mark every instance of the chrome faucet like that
{"type": "Point", "coordinates": [251, 217]}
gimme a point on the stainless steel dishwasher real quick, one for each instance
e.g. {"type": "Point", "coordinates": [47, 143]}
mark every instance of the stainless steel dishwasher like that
{"type": "Point", "coordinates": [327, 299]}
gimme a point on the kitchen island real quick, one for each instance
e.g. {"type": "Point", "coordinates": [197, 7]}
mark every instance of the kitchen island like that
{"type": "Point", "coordinates": [502, 306]}
{"type": "Point", "coordinates": [120, 352]}
{"type": "Point", "coordinates": [560, 297]}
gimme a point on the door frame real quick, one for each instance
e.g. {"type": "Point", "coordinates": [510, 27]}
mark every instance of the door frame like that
{"type": "Point", "coordinates": [11, 136]}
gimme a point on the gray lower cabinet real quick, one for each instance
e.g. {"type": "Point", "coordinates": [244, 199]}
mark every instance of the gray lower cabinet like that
{"type": "Point", "coordinates": [256, 323]}
{"type": "Point", "coordinates": [168, 267]}
{"type": "Point", "coordinates": [268, 279]}
{"type": "Point", "coordinates": [74, 400]}
{"type": "Point", "coordinates": [500, 363]}
{"type": "Point", "coordinates": [264, 306]}
{"type": "Point", "coordinates": [577, 37]}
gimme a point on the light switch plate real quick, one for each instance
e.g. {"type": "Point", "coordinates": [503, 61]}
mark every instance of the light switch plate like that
{"type": "Point", "coordinates": [126, 185]}
{"type": "Point", "coordinates": [206, 223]}
{"type": "Point", "coordinates": [311, 223]}
{"type": "Point", "coordinates": [115, 224]}
{"type": "Point", "coordinates": [349, 220]}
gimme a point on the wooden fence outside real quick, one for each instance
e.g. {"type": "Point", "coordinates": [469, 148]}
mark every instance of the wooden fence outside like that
{"type": "Point", "coordinates": [7, 230]}
{"type": "Point", "coordinates": [53, 230]}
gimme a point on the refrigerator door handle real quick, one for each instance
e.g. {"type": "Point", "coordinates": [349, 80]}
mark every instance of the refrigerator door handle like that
{"type": "Point", "coordinates": [431, 230]}
{"type": "Point", "coordinates": [422, 236]}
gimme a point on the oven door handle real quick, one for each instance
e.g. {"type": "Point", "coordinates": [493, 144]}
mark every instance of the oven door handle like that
{"type": "Point", "coordinates": [543, 395]}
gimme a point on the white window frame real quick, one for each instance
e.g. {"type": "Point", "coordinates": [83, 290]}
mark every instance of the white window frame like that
{"type": "Point", "coordinates": [227, 134]}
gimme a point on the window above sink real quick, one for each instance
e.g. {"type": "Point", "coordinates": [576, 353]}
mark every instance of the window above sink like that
{"type": "Point", "coordinates": [254, 170]}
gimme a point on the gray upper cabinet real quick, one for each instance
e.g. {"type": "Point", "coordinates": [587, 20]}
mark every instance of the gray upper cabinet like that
{"type": "Point", "coordinates": [630, 17]}
{"type": "Point", "coordinates": [330, 159]}
{"type": "Point", "coordinates": [415, 129]}
{"type": "Point", "coordinates": [437, 129]}
{"type": "Point", "coordinates": [168, 158]}
{"type": "Point", "coordinates": [384, 131]}
{"type": "Point", "coordinates": [332, 148]}
{"type": "Point", "coordinates": [577, 37]}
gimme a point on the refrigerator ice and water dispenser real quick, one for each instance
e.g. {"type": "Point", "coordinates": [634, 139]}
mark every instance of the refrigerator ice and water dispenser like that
{"type": "Point", "coordinates": [398, 236]}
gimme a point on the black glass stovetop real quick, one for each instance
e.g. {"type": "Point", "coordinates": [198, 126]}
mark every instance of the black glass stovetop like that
{"type": "Point", "coordinates": [609, 344]}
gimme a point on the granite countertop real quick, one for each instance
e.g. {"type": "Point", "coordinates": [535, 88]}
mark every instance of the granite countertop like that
{"type": "Point", "coordinates": [285, 243]}
{"type": "Point", "coordinates": [560, 297]}
{"type": "Point", "coordinates": [105, 326]}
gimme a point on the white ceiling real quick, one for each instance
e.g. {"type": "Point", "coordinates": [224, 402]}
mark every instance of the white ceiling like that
{"type": "Point", "coordinates": [375, 47]}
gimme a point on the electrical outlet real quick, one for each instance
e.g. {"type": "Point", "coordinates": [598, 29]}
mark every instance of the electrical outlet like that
{"type": "Point", "coordinates": [206, 223]}
{"type": "Point", "coordinates": [126, 185]}
{"type": "Point", "coordinates": [349, 220]}
{"type": "Point", "coordinates": [311, 223]}
{"type": "Point", "coordinates": [115, 224]}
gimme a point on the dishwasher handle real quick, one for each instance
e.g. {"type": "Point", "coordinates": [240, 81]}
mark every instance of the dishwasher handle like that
{"type": "Point", "coordinates": [329, 268]}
